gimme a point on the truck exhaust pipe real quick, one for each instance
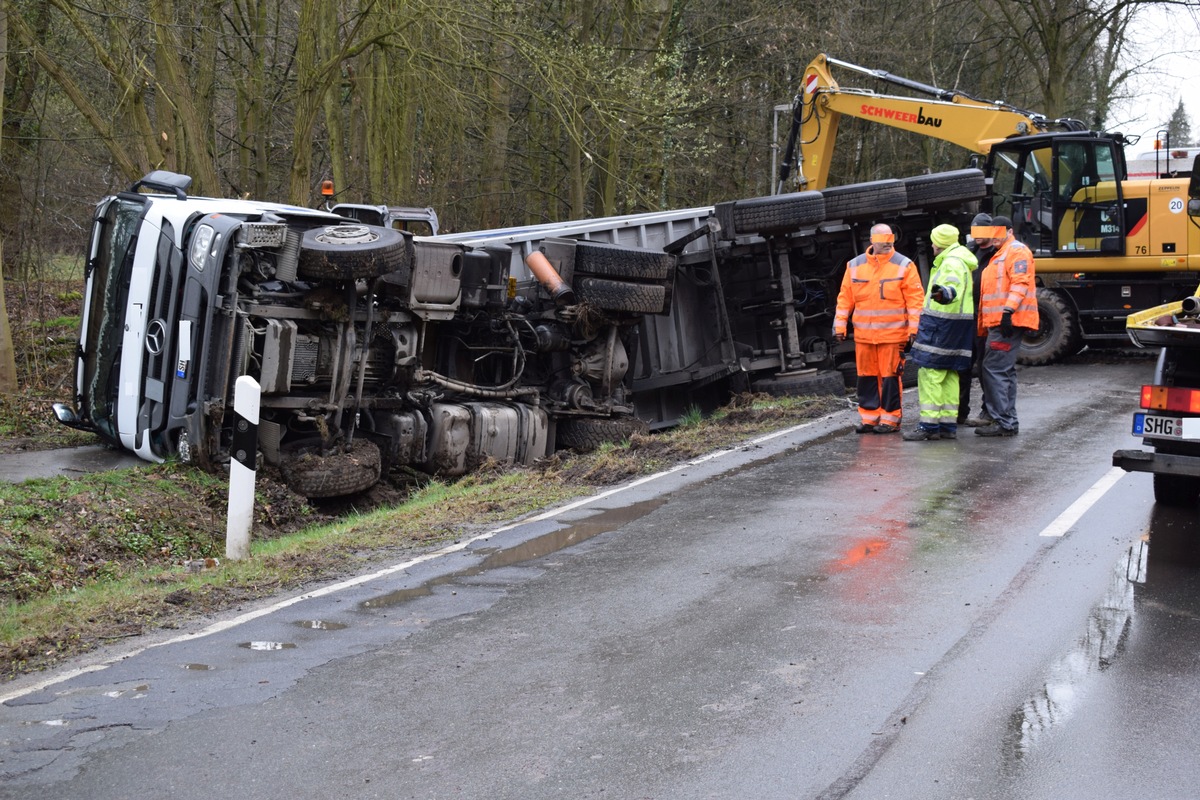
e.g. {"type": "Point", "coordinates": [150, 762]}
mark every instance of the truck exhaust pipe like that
{"type": "Point", "coordinates": [544, 271]}
{"type": "Point", "coordinates": [1191, 306]}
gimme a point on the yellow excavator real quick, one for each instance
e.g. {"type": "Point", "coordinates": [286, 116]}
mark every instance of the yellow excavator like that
{"type": "Point", "coordinates": [1105, 245]}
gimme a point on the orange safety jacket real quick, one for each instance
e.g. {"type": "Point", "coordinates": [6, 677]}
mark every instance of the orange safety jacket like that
{"type": "Point", "coordinates": [882, 296]}
{"type": "Point", "coordinates": [1008, 283]}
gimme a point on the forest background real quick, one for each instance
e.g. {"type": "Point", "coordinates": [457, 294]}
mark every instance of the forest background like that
{"type": "Point", "coordinates": [496, 112]}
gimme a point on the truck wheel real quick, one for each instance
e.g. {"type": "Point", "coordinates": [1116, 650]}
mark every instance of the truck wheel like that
{"type": "Point", "coordinates": [350, 252]}
{"type": "Point", "coordinates": [945, 188]}
{"type": "Point", "coordinates": [777, 214]}
{"type": "Point", "coordinates": [614, 261]}
{"type": "Point", "coordinates": [864, 199]}
{"type": "Point", "coordinates": [1057, 335]}
{"type": "Point", "coordinates": [309, 474]}
{"type": "Point", "coordinates": [825, 382]}
{"type": "Point", "coordinates": [637, 298]}
{"type": "Point", "coordinates": [585, 434]}
{"type": "Point", "coordinates": [1182, 491]}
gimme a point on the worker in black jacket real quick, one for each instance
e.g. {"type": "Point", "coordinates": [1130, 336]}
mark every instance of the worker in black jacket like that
{"type": "Point", "coordinates": [982, 255]}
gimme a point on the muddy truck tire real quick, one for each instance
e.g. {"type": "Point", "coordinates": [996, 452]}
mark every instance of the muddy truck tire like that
{"type": "Point", "coordinates": [351, 252]}
{"type": "Point", "coordinates": [585, 434]}
{"type": "Point", "coordinates": [825, 382]}
{"type": "Point", "coordinates": [309, 474]}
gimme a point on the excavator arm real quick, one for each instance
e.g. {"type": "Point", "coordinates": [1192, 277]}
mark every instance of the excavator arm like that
{"type": "Point", "coordinates": [948, 115]}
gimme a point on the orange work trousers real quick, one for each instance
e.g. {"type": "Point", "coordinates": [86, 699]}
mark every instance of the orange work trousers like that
{"type": "Point", "coordinates": [879, 389]}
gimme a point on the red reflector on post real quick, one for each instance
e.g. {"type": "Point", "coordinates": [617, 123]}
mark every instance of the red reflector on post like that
{"type": "Point", "coordinates": [1167, 398]}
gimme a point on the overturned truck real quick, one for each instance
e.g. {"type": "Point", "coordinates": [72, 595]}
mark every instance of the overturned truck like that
{"type": "Point", "coordinates": [372, 347]}
{"type": "Point", "coordinates": [756, 284]}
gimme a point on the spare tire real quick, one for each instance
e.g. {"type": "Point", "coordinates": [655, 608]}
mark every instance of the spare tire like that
{"type": "Point", "coordinates": [352, 251]}
{"type": "Point", "coordinates": [310, 474]}
{"type": "Point", "coordinates": [636, 298]}
{"type": "Point", "coordinates": [615, 261]}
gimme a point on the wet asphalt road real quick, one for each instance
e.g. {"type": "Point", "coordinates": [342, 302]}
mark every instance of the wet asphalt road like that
{"type": "Point", "coordinates": [820, 615]}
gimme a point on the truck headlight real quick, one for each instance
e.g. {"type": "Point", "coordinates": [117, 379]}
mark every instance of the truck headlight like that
{"type": "Point", "coordinates": [202, 240]}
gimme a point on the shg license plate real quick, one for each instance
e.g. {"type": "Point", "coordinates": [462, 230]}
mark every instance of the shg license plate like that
{"type": "Point", "coordinates": [1165, 427]}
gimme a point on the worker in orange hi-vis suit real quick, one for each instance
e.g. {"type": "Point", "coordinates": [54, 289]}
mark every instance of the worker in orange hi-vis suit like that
{"type": "Point", "coordinates": [1008, 310]}
{"type": "Point", "coordinates": [881, 298]}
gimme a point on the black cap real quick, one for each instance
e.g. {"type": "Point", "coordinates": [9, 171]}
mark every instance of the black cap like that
{"type": "Point", "coordinates": [1005, 221]}
{"type": "Point", "coordinates": [981, 220]}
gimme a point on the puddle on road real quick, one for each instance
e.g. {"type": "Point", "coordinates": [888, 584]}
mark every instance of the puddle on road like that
{"type": "Point", "coordinates": [320, 625]}
{"type": "Point", "coordinates": [267, 645]}
{"type": "Point", "coordinates": [1067, 681]}
{"type": "Point", "coordinates": [575, 533]}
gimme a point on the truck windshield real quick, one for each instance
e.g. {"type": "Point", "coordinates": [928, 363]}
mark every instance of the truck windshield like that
{"type": "Point", "coordinates": [114, 237]}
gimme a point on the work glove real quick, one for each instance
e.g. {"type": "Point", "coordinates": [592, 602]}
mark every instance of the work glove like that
{"type": "Point", "coordinates": [909, 344]}
{"type": "Point", "coordinates": [1006, 326]}
{"type": "Point", "coordinates": [942, 294]}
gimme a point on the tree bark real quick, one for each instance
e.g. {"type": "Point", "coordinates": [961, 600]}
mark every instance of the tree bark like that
{"type": "Point", "coordinates": [8, 357]}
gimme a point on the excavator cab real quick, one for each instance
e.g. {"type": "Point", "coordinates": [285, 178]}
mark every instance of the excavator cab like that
{"type": "Point", "coordinates": [1062, 191]}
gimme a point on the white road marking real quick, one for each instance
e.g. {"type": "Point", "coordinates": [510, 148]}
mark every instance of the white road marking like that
{"type": "Point", "coordinates": [1068, 518]}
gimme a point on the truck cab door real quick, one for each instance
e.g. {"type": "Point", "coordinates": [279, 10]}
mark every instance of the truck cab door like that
{"type": "Point", "coordinates": [1063, 194]}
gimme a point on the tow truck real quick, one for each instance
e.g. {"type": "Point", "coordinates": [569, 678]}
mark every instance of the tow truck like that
{"type": "Point", "coordinates": [1169, 422]}
{"type": "Point", "coordinates": [1105, 245]}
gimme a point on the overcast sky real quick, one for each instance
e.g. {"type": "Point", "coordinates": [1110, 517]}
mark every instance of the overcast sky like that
{"type": "Point", "coordinates": [1164, 43]}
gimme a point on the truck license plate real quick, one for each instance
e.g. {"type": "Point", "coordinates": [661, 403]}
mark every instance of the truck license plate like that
{"type": "Point", "coordinates": [1162, 427]}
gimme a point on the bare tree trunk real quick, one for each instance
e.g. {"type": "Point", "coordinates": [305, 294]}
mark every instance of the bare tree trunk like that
{"type": "Point", "coordinates": [8, 358]}
{"type": "Point", "coordinates": [494, 177]}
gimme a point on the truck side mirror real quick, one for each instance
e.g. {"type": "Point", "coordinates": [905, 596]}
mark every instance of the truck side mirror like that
{"type": "Point", "coordinates": [1194, 183]}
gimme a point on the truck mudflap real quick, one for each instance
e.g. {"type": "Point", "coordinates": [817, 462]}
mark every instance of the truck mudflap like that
{"type": "Point", "coordinates": [1158, 463]}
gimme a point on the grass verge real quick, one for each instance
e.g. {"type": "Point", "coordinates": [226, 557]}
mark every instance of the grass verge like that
{"type": "Point", "coordinates": [91, 560]}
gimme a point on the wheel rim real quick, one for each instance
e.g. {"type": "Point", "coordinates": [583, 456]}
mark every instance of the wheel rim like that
{"type": "Point", "coordinates": [347, 234]}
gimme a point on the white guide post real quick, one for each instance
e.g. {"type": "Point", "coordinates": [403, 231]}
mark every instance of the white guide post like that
{"type": "Point", "coordinates": [242, 465]}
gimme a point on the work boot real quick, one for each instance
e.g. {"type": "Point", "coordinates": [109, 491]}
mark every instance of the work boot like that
{"type": "Point", "coordinates": [982, 421]}
{"type": "Point", "coordinates": [921, 435]}
{"type": "Point", "coordinates": [995, 429]}
{"type": "Point", "coordinates": [864, 428]}
{"type": "Point", "coordinates": [886, 428]}
{"type": "Point", "coordinates": [945, 434]}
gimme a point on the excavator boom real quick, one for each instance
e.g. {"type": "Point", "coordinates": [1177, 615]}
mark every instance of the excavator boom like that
{"type": "Point", "coordinates": [948, 115]}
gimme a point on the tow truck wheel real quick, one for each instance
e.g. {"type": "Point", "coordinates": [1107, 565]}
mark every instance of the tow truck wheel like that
{"type": "Point", "coordinates": [350, 252]}
{"type": "Point", "coordinates": [614, 261]}
{"type": "Point", "coordinates": [585, 434]}
{"type": "Point", "coordinates": [1057, 335]}
{"type": "Point", "coordinates": [1182, 491]}
{"type": "Point", "coordinates": [310, 474]}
